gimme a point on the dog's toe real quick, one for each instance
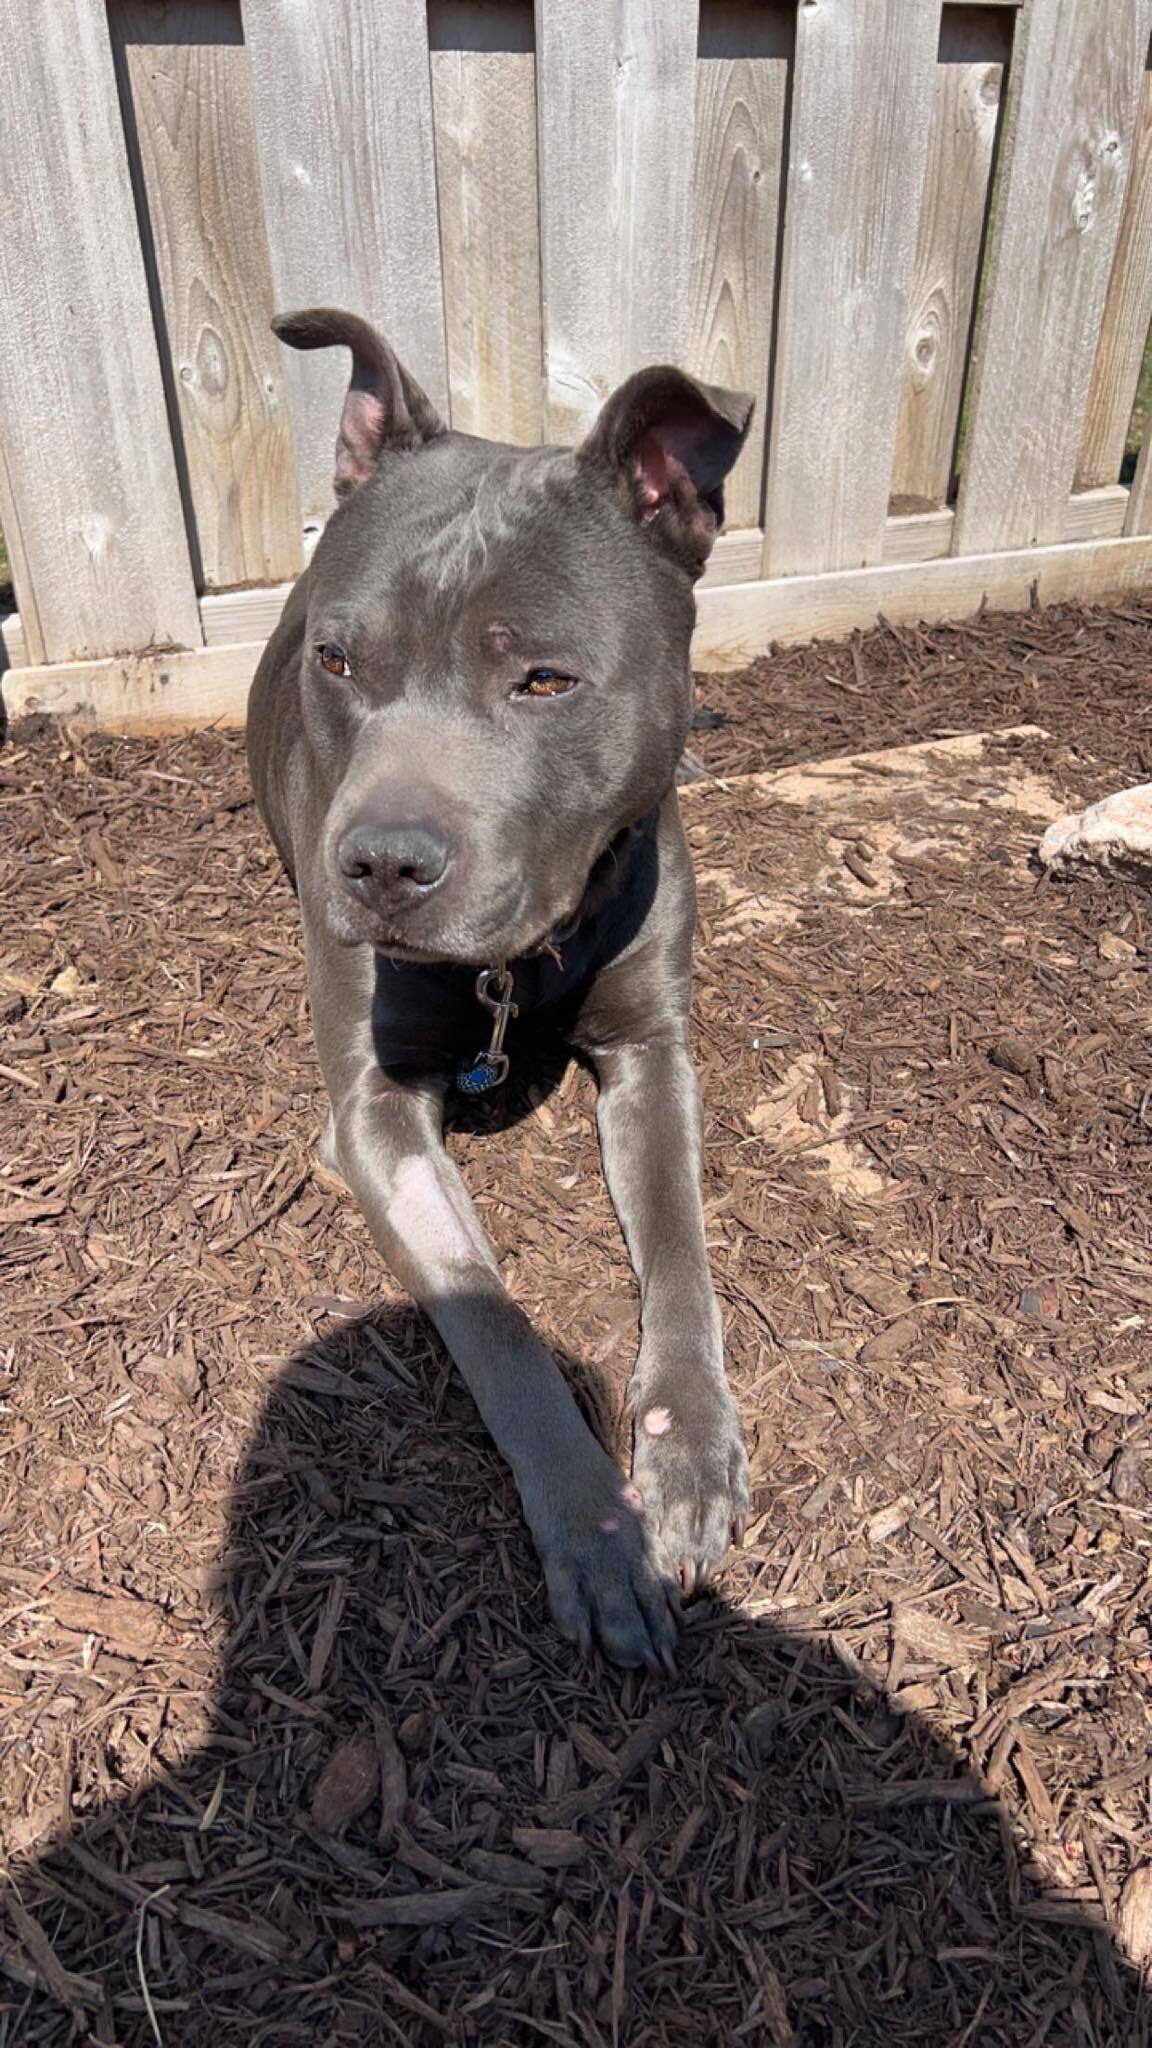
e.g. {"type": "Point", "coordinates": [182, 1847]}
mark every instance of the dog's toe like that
{"type": "Point", "coordinates": [606, 1586]}
{"type": "Point", "coordinates": [693, 1474]}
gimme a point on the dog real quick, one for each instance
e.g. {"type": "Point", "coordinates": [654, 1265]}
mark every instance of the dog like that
{"type": "Point", "coordinates": [463, 739]}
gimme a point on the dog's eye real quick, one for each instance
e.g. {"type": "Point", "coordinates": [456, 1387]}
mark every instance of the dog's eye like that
{"type": "Point", "coordinates": [334, 659]}
{"type": "Point", "coordinates": [546, 682]}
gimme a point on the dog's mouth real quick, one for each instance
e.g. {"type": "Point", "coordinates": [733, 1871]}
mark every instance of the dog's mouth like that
{"type": "Point", "coordinates": [507, 939]}
{"type": "Point", "coordinates": [403, 952]}
{"type": "Point", "coordinates": [501, 940]}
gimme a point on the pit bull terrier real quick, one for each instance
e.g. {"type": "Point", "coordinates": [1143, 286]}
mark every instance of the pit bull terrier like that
{"type": "Point", "coordinates": [463, 738]}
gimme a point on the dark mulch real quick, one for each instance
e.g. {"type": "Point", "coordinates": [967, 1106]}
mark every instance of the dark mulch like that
{"type": "Point", "coordinates": [1086, 674]}
{"type": "Point", "coordinates": [289, 1751]}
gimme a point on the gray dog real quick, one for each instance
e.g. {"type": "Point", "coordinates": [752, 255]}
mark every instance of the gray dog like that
{"type": "Point", "coordinates": [463, 738]}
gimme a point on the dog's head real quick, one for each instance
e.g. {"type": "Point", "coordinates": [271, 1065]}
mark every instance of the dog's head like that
{"type": "Point", "coordinates": [496, 666]}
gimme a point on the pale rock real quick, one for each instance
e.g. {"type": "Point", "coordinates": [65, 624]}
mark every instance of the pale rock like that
{"type": "Point", "coordinates": [1114, 836]}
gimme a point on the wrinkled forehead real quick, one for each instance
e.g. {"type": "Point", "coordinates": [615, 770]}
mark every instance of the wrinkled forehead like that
{"type": "Point", "coordinates": [465, 530]}
{"type": "Point", "coordinates": [440, 512]}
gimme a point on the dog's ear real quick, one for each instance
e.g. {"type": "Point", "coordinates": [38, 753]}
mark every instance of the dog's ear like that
{"type": "Point", "coordinates": [668, 442]}
{"type": "Point", "coordinates": [385, 407]}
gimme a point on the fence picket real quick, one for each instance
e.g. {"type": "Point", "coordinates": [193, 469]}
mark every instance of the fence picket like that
{"type": "Point", "coordinates": [1127, 312]}
{"type": "Point", "coordinates": [861, 109]}
{"type": "Point", "coordinates": [616, 89]}
{"type": "Point", "coordinates": [184, 71]}
{"type": "Point", "coordinates": [484, 111]}
{"type": "Point", "coordinates": [343, 107]}
{"type": "Point", "coordinates": [973, 53]}
{"type": "Point", "coordinates": [89, 495]}
{"type": "Point", "coordinates": [1072, 104]}
{"type": "Point", "coordinates": [741, 92]}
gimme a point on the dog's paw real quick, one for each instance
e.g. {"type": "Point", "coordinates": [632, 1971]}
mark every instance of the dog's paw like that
{"type": "Point", "coordinates": [690, 1465]}
{"type": "Point", "coordinates": [604, 1582]}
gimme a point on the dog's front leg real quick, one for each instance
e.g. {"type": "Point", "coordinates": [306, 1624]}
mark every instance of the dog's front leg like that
{"type": "Point", "coordinates": [602, 1578]}
{"type": "Point", "coordinates": [688, 1451]}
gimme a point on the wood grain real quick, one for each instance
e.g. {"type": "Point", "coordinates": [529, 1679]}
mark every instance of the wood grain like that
{"type": "Point", "coordinates": [88, 488]}
{"type": "Point", "coordinates": [343, 112]}
{"type": "Point", "coordinates": [150, 693]}
{"type": "Point", "coordinates": [965, 113]}
{"type": "Point", "coordinates": [1096, 515]}
{"type": "Point", "coordinates": [861, 109]}
{"type": "Point", "coordinates": [484, 117]}
{"type": "Point", "coordinates": [1139, 516]}
{"type": "Point", "coordinates": [184, 72]}
{"type": "Point", "coordinates": [1072, 103]}
{"type": "Point", "coordinates": [736, 557]}
{"type": "Point", "coordinates": [741, 92]}
{"type": "Point", "coordinates": [918, 536]}
{"type": "Point", "coordinates": [239, 615]}
{"type": "Point", "coordinates": [1088, 515]}
{"type": "Point", "coordinates": [23, 636]}
{"type": "Point", "coordinates": [616, 87]}
{"type": "Point", "coordinates": [1127, 313]}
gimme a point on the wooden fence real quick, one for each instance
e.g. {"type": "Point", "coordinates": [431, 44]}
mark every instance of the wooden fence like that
{"type": "Point", "coordinates": [921, 234]}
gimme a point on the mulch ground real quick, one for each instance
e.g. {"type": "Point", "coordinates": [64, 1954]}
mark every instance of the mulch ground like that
{"type": "Point", "coordinates": [289, 1751]}
{"type": "Point", "coordinates": [1084, 674]}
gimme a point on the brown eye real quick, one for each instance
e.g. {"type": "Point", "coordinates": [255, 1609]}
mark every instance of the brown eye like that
{"type": "Point", "coordinates": [546, 682]}
{"type": "Point", "coordinates": [334, 659]}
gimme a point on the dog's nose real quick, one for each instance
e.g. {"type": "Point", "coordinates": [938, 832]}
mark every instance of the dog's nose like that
{"type": "Point", "coordinates": [400, 863]}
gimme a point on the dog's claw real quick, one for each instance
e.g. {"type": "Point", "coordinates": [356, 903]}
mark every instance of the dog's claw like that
{"type": "Point", "coordinates": [687, 1576]}
{"type": "Point", "coordinates": [739, 1530]}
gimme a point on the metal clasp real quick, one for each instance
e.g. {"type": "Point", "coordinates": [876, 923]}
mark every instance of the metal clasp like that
{"type": "Point", "coordinates": [494, 987]}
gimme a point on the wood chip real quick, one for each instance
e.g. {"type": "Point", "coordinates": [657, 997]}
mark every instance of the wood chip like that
{"type": "Point", "coordinates": [348, 1783]}
{"type": "Point", "coordinates": [418, 1909]}
{"type": "Point", "coordinates": [1134, 1915]}
{"type": "Point", "coordinates": [551, 1848]}
{"type": "Point", "coordinates": [132, 1627]}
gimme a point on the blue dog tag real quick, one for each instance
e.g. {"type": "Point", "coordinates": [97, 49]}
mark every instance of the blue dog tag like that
{"type": "Point", "coordinates": [486, 1070]}
{"type": "Point", "coordinates": [477, 1076]}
